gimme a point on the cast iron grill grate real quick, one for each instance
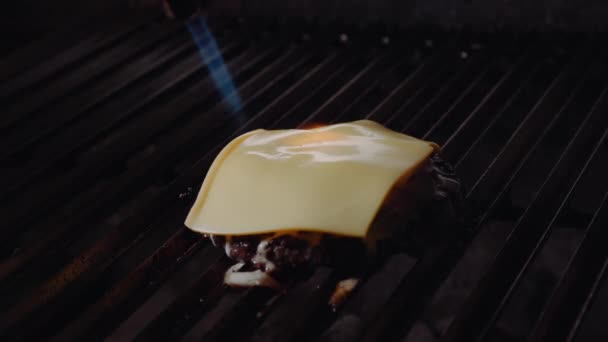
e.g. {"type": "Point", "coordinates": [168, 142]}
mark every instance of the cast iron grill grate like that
{"type": "Point", "coordinates": [104, 146]}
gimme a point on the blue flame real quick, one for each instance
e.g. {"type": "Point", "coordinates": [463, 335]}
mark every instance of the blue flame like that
{"type": "Point", "coordinates": [212, 57]}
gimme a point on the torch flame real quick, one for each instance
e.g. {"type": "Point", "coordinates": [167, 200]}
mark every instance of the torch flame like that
{"type": "Point", "coordinates": [212, 58]}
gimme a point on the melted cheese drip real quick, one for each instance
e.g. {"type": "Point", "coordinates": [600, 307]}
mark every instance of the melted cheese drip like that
{"type": "Point", "coordinates": [331, 180]}
{"type": "Point", "coordinates": [261, 257]}
{"type": "Point", "coordinates": [234, 277]}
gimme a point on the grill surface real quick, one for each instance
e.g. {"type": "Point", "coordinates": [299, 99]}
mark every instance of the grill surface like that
{"type": "Point", "coordinates": [105, 143]}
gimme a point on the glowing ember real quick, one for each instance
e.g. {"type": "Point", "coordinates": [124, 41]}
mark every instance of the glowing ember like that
{"type": "Point", "coordinates": [312, 125]}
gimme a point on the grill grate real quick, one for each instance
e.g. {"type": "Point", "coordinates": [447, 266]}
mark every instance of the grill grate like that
{"type": "Point", "coordinates": [104, 146]}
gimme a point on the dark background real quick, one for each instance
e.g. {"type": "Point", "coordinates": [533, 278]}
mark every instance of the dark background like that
{"type": "Point", "coordinates": [28, 19]}
{"type": "Point", "coordinates": [22, 21]}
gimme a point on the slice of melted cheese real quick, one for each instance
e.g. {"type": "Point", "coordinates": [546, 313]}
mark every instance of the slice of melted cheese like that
{"type": "Point", "coordinates": [331, 179]}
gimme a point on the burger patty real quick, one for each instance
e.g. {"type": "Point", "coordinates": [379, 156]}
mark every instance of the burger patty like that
{"type": "Point", "coordinates": [288, 251]}
{"type": "Point", "coordinates": [412, 217]}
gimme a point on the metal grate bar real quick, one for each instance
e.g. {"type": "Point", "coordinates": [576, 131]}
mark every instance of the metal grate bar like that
{"type": "Point", "coordinates": [187, 101]}
{"type": "Point", "coordinates": [117, 236]}
{"type": "Point", "coordinates": [381, 87]}
{"type": "Point", "coordinates": [319, 77]}
{"type": "Point", "coordinates": [351, 89]}
{"type": "Point", "coordinates": [331, 85]}
{"type": "Point", "coordinates": [113, 152]}
{"type": "Point", "coordinates": [398, 325]}
{"type": "Point", "coordinates": [172, 319]}
{"type": "Point", "coordinates": [544, 234]}
{"type": "Point", "coordinates": [160, 304]}
{"type": "Point", "coordinates": [393, 101]}
{"type": "Point", "coordinates": [488, 294]}
{"type": "Point", "coordinates": [590, 323]}
{"type": "Point", "coordinates": [94, 125]}
{"type": "Point", "coordinates": [523, 134]}
{"type": "Point", "coordinates": [562, 126]}
{"type": "Point", "coordinates": [234, 307]}
{"type": "Point", "coordinates": [260, 83]}
{"type": "Point", "coordinates": [300, 306]}
{"type": "Point", "coordinates": [357, 321]}
{"type": "Point", "coordinates": [21, 72]}
{"type": "Point", "coordinates": [370, 300]}
{"type": "Point", "coordinates": [131, 291]}
{"type": "Point", "coordinates": [490, 208]}
{"type": "Point", "coordinates": [43, 94]}
{"type": "Point", "coordinates": [467, 102]}
{"type": "Point", "coordinates": [77, 105]}
{"type": "Point", "coordinates": [129, 274]}
{"type": "Point", "coordinates": [404, 300]}
{"type": "Point", "coordinates": [451, 92]}
{"type": "Point", "coordinates": [409, 109]}
{"type": "Point", "coordinates": [250, 60]}
{"type": "Point", "coordinates": [504, 90]}
{"type": "Point", "coordinates": [282, 103]}
{"type": "Point", "coordinates": [576, 283]}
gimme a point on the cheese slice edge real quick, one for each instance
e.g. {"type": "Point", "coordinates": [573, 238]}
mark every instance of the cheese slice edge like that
{"type": "Point", "coordinates": [331, 179]}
